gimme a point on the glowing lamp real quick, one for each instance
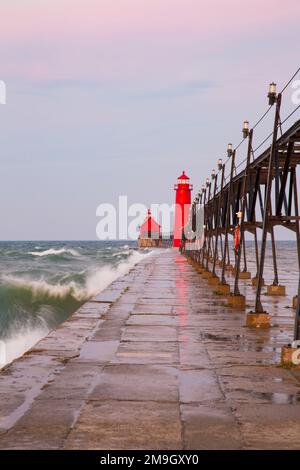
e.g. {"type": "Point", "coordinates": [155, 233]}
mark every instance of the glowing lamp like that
{"type": "Point", "coordinates": [246, 129]}
{"type": "Point", "coordinates": [272, 93]}
{"type": "Point", "coordinates": [213, 174]}
{"type": "Point", "coordinates": [229, 150]}
{"type": "Point", "coordinates": [220, 163]}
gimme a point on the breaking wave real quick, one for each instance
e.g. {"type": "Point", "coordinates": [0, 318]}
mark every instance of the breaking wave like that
{"type": "Point", "coordinates": [95, 281]}
{"type": "Point", "coordinates": [43, 290]}
{"type": "Point", "coordinates": [53, 251]}
{"type": "Point", "coordinates": [30, 308]}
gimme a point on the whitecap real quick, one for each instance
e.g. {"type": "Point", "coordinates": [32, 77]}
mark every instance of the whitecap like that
{"type": "Point", "coordinates": [53, 251]}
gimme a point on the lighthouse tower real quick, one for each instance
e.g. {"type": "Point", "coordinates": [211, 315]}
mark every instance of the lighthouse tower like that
{"type": "Point", "coordinates": [183, 202]}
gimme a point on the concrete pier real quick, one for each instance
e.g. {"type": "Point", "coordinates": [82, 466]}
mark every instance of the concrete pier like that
{"type": "Point", "coordinates": [156, 361]}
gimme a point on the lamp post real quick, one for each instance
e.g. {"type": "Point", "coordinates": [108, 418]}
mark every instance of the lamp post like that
{"type": "Point", "coordinates": [204, 191]}
{"type": "Point", "coordinates": [221, 167]}
{"type": "Point", "coordinates": [273, 98]}
{"type": "Point", "coordinates": [240, 216]}
{"type": "Point", "coordinates": [230, 153]}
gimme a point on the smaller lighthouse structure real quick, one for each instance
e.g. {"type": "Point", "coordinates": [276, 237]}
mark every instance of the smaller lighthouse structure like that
{"type": "Point", "coordinates": [150, 232]}
{"type": "Point", "coordinates": [183, 190]}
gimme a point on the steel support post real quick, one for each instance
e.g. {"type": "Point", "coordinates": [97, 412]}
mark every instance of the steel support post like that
{"type": "Point", "coordinates": [218, 222]}
{"type": "Point", "coordinates": [207, 229]}
{"type": "Point", "coordinates": [258, 305]}
{"type": "Point", "coordinates": [236, 290]}
{"type": "Point", "coordinates": [227, 223]}
{"type": "Point", "coordinates": [297, 315]}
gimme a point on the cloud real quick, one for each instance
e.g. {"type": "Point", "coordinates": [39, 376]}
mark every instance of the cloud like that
{"type": "Point", "coordinates": [63, 84]}
{"type": "Point", "coordinates": [182, 89]}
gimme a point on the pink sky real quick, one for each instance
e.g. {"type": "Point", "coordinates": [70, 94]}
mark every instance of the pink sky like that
{"type": "Point", "coordinates": [69, 27]}
{"type": "Point", "coordinates": [108, 86]}
{"type": "Point", "coordinates": [25, 18]}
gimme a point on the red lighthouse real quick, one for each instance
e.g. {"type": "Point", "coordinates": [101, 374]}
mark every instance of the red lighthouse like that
{"type": "Point", "coordinates": [150, 232]}
{"type": "Point", "coordinates": [183, 190]}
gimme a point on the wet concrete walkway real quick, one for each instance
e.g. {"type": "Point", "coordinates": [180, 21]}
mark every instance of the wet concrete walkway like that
{"type": "Point", "coordinates": [154, 362]}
